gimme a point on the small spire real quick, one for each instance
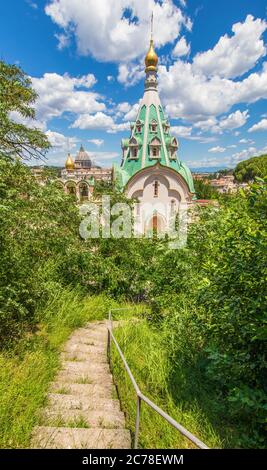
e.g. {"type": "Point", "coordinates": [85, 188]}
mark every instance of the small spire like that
{"type": "Point", "coordinates": [81, 148]}
{"type": "Point", "coordinates": [151, 59]}
{"type": "Point", "coordinates": [152, 25]}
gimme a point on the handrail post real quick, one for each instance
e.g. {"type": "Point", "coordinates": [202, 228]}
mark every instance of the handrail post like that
{"type": "Point", "coordinates": [109, 339]}
{"type": "Point", "coordinates": [137, 422]}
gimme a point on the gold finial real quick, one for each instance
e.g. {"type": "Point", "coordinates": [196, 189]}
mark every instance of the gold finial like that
{"type": "Point", "coordinates": [69, 165]}
{"type": "Point", "coordinates": [151, 59]}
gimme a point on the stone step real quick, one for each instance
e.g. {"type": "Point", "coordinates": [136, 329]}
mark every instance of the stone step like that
{"type": "Point", "coordinates": [74, 347]}
{"type": "Point", "coordinates": [85, 367]}
{"type": "Point", "coordinates": [72, 402]}
{"type": "Point", "coordinates": [78, 438]}
{"type": "Point", "coordinates": [85, 418]}
{"type": "Point", "coordinates": [87, 334]}
{"type": "Point", "coordinates": [84, 390]}
{"type": "Point", "coordinates": [79, 356]}
{"type": "Point", "coordinates": [91, 377]}
{"type": "Point", "coordinates": [80, 411]}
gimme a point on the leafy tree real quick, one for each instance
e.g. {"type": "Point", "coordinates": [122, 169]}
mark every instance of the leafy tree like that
{"type": "Point", "coordinates": [213, 307]}
{"type": "Point", "coordinates": [38, 224]}
{"type": "Point", "coordinates": [17, 96]}
{"type": "Point", "coordinates": [249, 169]}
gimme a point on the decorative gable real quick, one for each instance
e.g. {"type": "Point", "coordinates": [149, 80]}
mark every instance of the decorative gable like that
{"type": "Point", "coordinates": [134, 144]}
{"type": "Point", "coordinates": [153, 126]}
{"type": "Point", "coordinates": [139, 126]}
{"type": "Point", "coordinates": [172, 146]}
{"type": "Point", "coordinates": [154, 147]}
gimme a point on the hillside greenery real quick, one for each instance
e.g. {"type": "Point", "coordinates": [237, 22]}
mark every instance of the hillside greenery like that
{"type": "Point", "coordinates": [200, 351]}
{"type": "Point", "coordinates": [249, 169]}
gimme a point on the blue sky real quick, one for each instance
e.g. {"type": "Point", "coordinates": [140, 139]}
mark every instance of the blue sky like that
{"type": "Point", "coordinates": [86, 63]}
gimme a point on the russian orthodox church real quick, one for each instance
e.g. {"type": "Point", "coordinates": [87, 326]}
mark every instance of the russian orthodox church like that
{"type": "Point", "coordinates": [151, 171]}
{"type": "Point", "coordinates": [79, 176]}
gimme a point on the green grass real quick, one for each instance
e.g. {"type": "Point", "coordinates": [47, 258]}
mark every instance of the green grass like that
{"type": "Point", "coordinates": [27, 370]}
{"type": "Point", "coordinates": [146, 353]}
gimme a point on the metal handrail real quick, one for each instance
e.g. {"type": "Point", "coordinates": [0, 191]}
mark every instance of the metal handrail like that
{"type": "Point", "coordinates": [141, 396]}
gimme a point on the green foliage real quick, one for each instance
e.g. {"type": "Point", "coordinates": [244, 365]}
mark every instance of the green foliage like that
{"type": "Point", "coordinates": [37, 224]}
{"type": "Point", "coordinates": [213, 304]}
{"type": "Point", "coordinates": [148, 357]}
{"type": "Point", "coordinates": [249, 169]}
{"type": "Point", "coordinates": [205, 190]}
{"type": "Point", "coordinates": [17, 96]}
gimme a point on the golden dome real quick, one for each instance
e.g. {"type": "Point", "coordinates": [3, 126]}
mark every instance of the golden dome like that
{"type": "Point", "coordinates": [69, 165]}
{"type": "Point", "coordinates": [151, 59]}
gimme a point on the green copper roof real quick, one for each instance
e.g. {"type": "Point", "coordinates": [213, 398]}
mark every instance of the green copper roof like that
{"type": "Point", "coordinates": [150, 142]}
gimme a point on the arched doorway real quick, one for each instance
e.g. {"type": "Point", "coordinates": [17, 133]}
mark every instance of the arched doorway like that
{"type": "Point", "coordinates": [84, 191]}
{"type": "Point", "coordinates": [71, 188]}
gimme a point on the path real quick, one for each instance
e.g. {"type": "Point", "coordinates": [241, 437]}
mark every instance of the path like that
{"type": "Point", "coordinates": [83, 409]}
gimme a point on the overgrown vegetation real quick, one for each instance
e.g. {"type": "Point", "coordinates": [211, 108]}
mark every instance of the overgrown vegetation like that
{"type": "Point", "coordinates": [27, 369]}
{"type": "Point", "coordinates": [201, 352]}
{"type": "Point", "coordinates": [204, 190]}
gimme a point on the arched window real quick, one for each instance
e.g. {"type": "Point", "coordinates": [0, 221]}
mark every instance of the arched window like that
{"type": "Point", "coordinates": [154, 152]}
{"type": "Point", "coordinates": [139, 129]}
{"type": "Point", "coordinates": [84, 190]}
{"type": "Point", "coordinates": [135, 152]}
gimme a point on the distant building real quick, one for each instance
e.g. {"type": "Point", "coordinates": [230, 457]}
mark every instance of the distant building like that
{"type": "Point", "coordinates": [201, 177]}
{"type": "Point", "coordinates": [224, 184]}
{"type": "Point", "coordinates": [80, 175]}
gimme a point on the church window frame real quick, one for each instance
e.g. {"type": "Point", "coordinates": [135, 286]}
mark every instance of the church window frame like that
{"type": "Point", "coordinates": [156, 188]}
{"type": "Point", "coordinates": [154, 126]}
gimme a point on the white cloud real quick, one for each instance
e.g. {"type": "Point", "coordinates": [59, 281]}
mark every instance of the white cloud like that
{"type": "Point", "coordinates": [228, 161]}
{"type": "Point", "coordinates": [63, 41]}
{"type": "Point", "coordinates": [108, 29]}
{"type": "Point", "coordinates": [32, 123]}
{"type": "Point", "coordinates": [181, 131]}
{"type": "Point", "coordinates": [234, 120]}
{"type": "Point", "coordinates": [217, 149]}
{"type": "Point", "coordinates": [216, 126]}
{"type": "Point", "coordinates": [61, 141]}
{"type": "Point", "coordinates": [124, 107]}
{"type": "Point", "coordinates": [181, 48]}
{"type": "Point", "coordinates": [94, 121]}
{"type": "Point", "coordinates": [191, 95]}
{"type": "Point", "coordinates": [247, 141]}
{"type": "Point", "coordinates": [260, 126]}
{"type": "Point", "coordinates": [32, 4]}
{"type": "Point", "coordinates": [130, 73]}
{"type": "Point", "coordinates": [110, 78]}
{"type": "Point", "coordinates": [244, 154]}
{"type": "Point", "coordinates": [97, 142]}
{"type": "Point", "coordinates": [235, 55]}
{"type": "Point", "coordinates": [186, 133]}
{"type": "Point", "coordinates": [104, 159]}
{"type": "Point", "coordinates": [132, 114]}
{"type": "Point", "coordinates": [99, 121]}
{"type": "Point", "coordinates": [61, 93]}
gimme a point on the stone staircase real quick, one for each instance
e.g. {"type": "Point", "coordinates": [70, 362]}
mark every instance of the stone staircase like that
{"type": "Point", "coordinates": [83, 410]}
